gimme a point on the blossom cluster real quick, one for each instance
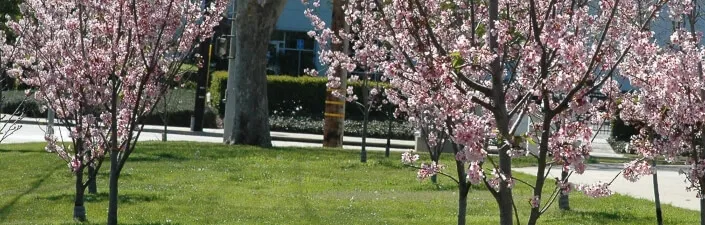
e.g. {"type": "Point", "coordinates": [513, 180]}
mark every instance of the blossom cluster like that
{"type": "Point", "coordinates": [597, 190]}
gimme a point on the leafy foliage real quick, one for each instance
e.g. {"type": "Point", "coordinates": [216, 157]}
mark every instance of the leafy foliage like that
{"type": "Point", "coordinates": [293, 96]}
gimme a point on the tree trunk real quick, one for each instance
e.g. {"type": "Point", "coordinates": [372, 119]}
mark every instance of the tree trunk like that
{"type": "Point", "coordinates": [165, 118]}
{"type": "Point", "coordinates": [657, 198]}
{"type": "Point", "coordinates": [113, 187]}
{"type": "Point", "coordinates": [702, 203]}
{"type": "Point", "coordinates": [114, 158]}
{"type": "Point", "coordinates": [505, 193]}
{"type": "Point", "coordinates": [79, 210]}
{"type": "Point", "coordinates": [92, 187]}
{"type": "Point", "coordinates": [363, 152]}
{"type": "Point", "coordinates": [247, 113]}
{"type": "Point", "coordinates": [563, 200]}
{"type": "Point", "coordinates": [334, 121]}
{"type": "Point", "coordinates": [389, 139]}
{"type": "Point", "coordinates": [541, 171]}
{"type": "Point", "coordinates": [463, 188]}
{"type": "Point", "coordinates": [462, 203]}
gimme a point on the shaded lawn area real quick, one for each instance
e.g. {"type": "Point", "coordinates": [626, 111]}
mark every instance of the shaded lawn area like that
{"type": "Point", "coordinates": [196, 183]}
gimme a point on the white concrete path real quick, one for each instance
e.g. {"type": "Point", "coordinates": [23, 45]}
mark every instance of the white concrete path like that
{"type": "Point", "coordinates": [36, 132]}
{"type": "Point", "coordinates": [671, 184]}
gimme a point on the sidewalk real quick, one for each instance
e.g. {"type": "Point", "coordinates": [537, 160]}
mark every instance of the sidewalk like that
{"type": "Point", "coordinates": [36, 133]}
{"type": "Point", "coordinates": [33, 130]}
{"type": "Point", "coordinates": [671, 184]}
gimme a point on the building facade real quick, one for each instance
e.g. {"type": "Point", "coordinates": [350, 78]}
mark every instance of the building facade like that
{"type": "Point", "coordinates": [291, 50]}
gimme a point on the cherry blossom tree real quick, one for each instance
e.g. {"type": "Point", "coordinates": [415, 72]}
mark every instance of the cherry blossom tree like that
{"type": "Point", "coordinates": [101, 66]}
{"type": "Point", "coordinates": [9, 124]}
{"type": "Point", "coordinates": [668, 104]}
{"type": "Point", "coordinates": [481, 65]}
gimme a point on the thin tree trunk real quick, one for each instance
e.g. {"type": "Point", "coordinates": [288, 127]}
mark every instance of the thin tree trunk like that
{"type": "Point", "coordinates": [113, 187]}
{"type": "Point", "coordinates": [463, 187]}
{"type": "Point", "coordinates": [363, 152]}
{"type": "Point", "coordinates": [165, 118]}
{"type": "Point", "coordinates": [114, 159]}
{"type": "Point", "coordinates": [462, 203]}
{"type": "Point", "coordinates": [563, 200]}
{"type": "Point", "coordinates": [505, 193]}
{"type": "Point", "coordinates": [657, 199]}
{"type": "Point", "coordinates": [247, 113]}
{"type": "Point", "coordinates": [79, 210]}
{"type": "Point", "coordinates": [540, 177]}
{"type": "Point", "coordinates": [702, 203]}
{"type": "Point", "coordinates": [92, 187]}
{"type": "Point", "coordinates": [389, 139]}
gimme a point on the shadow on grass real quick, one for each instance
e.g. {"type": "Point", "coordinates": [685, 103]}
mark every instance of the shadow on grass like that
{"type": "Point", "coordinates": [162, 156]}
{"type": "Point", "coordinates": [152, 223]}
{"type": "Point", "coordinates": [19, 151]}
{"type": "Point", "coordinates": [600, 217]}
{"type": "Point", "coordinates": [8, 206]}
{"type": "Point", "coordinates": [103, 197]}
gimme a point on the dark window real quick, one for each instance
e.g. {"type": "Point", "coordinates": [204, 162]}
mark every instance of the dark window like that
{"type": "Point", "coordinates": [293, 37]}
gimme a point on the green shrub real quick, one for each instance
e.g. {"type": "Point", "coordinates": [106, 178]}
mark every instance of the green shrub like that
{"type": "Point", "coordinates": [293, 96]}
{"type": "Point", "coordinates": [621, 131]}
{"type": "Point", "coordinates": [180, 104]}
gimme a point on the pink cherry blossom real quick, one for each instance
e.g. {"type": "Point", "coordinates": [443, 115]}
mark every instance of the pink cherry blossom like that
{"type": "Point", "coordinates": [535, 201]}
{"type": "Point", "coordinates": [409, 157]}
{"type": "Point", "coordinates": [597, 190]}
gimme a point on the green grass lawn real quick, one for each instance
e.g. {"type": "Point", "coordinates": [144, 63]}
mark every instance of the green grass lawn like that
{"type": "Point", "coordinates": [194, 183]}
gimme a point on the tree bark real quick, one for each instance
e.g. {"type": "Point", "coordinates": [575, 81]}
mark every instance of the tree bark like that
{"type": "Point", "coordinates": [113, 187]}
{"type": "Point", "coordinates": [563, 200]}
{"type": "Point", "coordinates": [462, 203]}
{"type": "Point", "coordinates": [702, 203]}
{"type": "Point", "coordinates": [504, 196]}
{"type": "Point", "coordinates": [114, 158]}
{"type": "Point", "coordinates": [463, 188]}
{"type": "Point", "coordinates": [540, 177]}
{"type": "Point", "coordinates": [79, 210]}
{"type": "Point", "coordinates": [363, 152]}
{"type": "Point", "coordinates": [246, 112]}
{"type": "Point", "coordinates": [333, 123]}
{"type": "Point", "coordinates": [92, 187]}
{"type": "Point", "coordinates": [389, 139]}
{"type": "Point", "coordinates": [657, 197]}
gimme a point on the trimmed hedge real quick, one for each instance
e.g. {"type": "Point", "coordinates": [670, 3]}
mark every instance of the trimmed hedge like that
{"type": "Point", "coordinates": [180, 107]}
{"type": "Point", "coordinates": [293, 96]}
{"type": "Point", "coordinates": [375, 128]}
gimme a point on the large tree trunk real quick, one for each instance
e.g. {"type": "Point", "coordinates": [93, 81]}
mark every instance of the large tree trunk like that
{"type": "Point", "coordinates": [79, 210]}
{"type": "Point", "coordinates": [334, 121]}
{"type": "Point", "coordinates": [246, 113]}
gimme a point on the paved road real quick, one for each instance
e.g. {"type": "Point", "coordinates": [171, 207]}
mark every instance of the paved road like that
{"type": "Point", "coordinates": [671, 184]}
